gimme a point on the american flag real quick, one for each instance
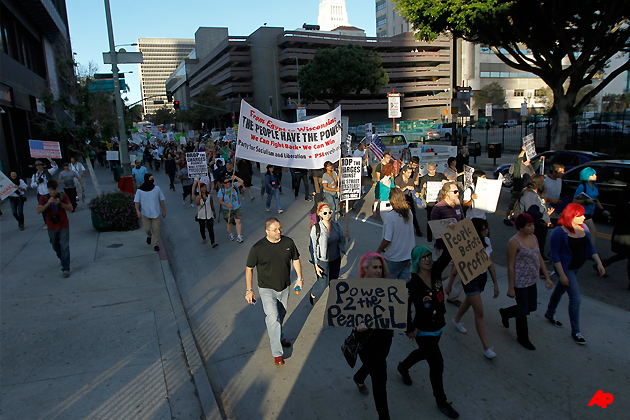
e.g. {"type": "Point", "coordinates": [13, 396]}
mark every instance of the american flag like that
{"type": "Point", "coordinates": [377, 147]}
{"type": "Point", "coordinates": [44, 149]}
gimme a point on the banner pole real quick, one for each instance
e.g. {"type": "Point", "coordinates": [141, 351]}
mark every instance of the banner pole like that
{"type": "Point", "coordinates": [227, 225]}
{"type": "Point", "coordinates": [347, 217]}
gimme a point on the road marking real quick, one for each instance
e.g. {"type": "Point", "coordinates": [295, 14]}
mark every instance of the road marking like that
{"type": "Point", "coordinates": [368, 221]}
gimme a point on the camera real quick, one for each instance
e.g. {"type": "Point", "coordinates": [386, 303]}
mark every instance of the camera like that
{"type": "Point", "coordinates": [40, 180]}
{"type": "Point", "coordinates": [54, 219]}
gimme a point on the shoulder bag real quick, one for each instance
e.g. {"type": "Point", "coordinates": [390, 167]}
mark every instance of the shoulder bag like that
{"type": "Point", "coordinates": [352, 346]}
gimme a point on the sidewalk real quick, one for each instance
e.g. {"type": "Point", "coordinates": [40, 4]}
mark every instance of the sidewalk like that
{"type": "Point", "coordinates": [109, 342]}
{"type": "Point", "coordinates": [556, 381]}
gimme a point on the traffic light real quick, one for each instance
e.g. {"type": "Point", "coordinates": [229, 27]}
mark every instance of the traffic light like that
{"type": "Point", "coordinates": [176, 104]}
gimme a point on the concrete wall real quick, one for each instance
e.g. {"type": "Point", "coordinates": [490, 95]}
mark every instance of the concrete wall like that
{"type": "Point", "coordinates": [206, 39]}
{"type": "Point", "coordinates": [264, 80]}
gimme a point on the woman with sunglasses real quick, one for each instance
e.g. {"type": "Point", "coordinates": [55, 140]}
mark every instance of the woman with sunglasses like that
{"type": "Point", "coordinates": [427, 297]}
{"type": "Point", "coordinates": [205, 213]}
{"type": "Point", "coordinates": [473, 291]}
{"type": "Point", "coordinates": [328, 245]}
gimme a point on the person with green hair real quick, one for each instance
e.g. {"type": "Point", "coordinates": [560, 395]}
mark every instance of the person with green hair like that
{"type": "Point", "coordinates": [586, 194]}
{"type": "Point", "coordinates": [427, 297]}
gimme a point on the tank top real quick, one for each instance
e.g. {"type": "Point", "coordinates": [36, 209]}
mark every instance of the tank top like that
{"type": "Point", "coordinates": [526, 266]}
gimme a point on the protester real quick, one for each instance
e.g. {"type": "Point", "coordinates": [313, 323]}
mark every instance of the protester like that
{"type": "Point", "coordinates": [462, 159]}
{"type": "Point", "coordinates": [231, 205]}
{"type": "Point", "coordinates": [375, 343]}
{"type": "Point", "coordinates": [17, 199]}
{"type": "Point", "coordinates": [328, 243]}
{"type": "Point", "coordinates": [186, 185]}
{"type": "Point", "coordinates": [553, 189]}
{"type": "Point", "coordinates": [406, 183]}
{"type": "Point", "coordinates": [521, 170]}
{"type": "Point", "coordinates": [272, 186]}
{"type": "Point", "coordinates": [431, 176]}
{"type": "Point", "coordinates": [301, 177]}
{"type": "Point", "coordinates": [148, 201]}
{"type": "Point", "coordinates": [620, 242]}
{"type": "Point", "coordinates": [360, 152]}
{"type": "Point", "coordinates": [448, 207]}
{"type": "Point", "coordinates": [524, 262]}
{"type": "Point", "coordinates": [383, 187]}
{"type": "Point", "coordinates": [53, 206]}
{"type": "Point", "coordinates": [138, 173]}
{"type": "Point", "coordinates": [317, 175]}
{"type": "Point", "coordinates": [272, 257]}
{"type": "Point", "coordinates": [79, 169]}
{"type": "Point", "coordinates": [170, 167]}
{"type": "Point", "coordinates": [277, 171]}
{"type": "Point", "coordinates": [427, 298]}
{"type": "Point", "coordinates": [67, 177]}
{"type": "Point", "coordinates": [473, 291]}
{"type": "Point", "coordinates": [450, 172]}
{"type": "Point", "coordinates": [330, 184]}
{"type": "Point", "coordinates": [41, 177]}
{"type": "Point", "coordinates": [571, 245]}
{"type": "Point", "coordinates": [378, 169]}
{"type": "Point", "coordinates": [157, 159]}
{"type": "Point", "coordinates": [398, 237]}
{"type": "Point", "coordinates": [587, 195]}
{"type": "Point", "coordinates": [205, 213]}
{"type": "Point", "coordinates": [470, 195]}
{"type": "Point", "coordinates": [245, 172]}
{"type": "Point", "coordinates": [532, 203]}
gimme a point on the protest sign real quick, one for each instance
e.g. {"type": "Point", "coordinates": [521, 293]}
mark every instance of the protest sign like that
{"type": "Point", "coordinates": [488, 192]}
{"type": "Point", "coordinates": [44, 149]}
{"type": "Point", "coordinates": [306, 144]}
{"type": "Point", "coordinates": [438, 226]}
{"type": "Point", "coordinates": [530, 146]}
{"type": "Point", "coordinates": [468, 175]}
{"type": "Point", "coordinates": [154, 130]}
{"type": "Point", "coordinates": [368, 132]}
{"type": "Point", "coordinates": [433, 191]}
{"type": "Point", "coordinates": [466, 249]}
{"type": "Point", "coordinates": [6, 186]}
{"type": "Point", "coordinates": [230, 134]}
{"type": "Point", "coordinates": [191, 134]}
{"type": "Point", "coordinates": [112, 155]}
{"type": "Point", "coordinates": [171, 136]}
{"type": "Point", "coordinates": [136, 138]}
{"type": "Point", "coordinates": [197, 166]}
{"type": "Point", "coordinates": [377, 303]}
{"type": "Point", "coordinates": [350, 171]}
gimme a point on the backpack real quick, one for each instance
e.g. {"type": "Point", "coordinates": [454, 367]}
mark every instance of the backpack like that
{"type": "Point", "coordinates": [311, 248]}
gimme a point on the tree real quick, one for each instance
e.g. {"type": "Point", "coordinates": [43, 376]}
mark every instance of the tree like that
{"type": "Point", "coordinates": [204, 107]}
{"type": "Point", "coordinates": [336, 73]}
{"type": "Point", "coordinates": [136, 112]}
{"type": "Point", "coordinates": [492, 93]}
{"type": "Point", "coordinates": [545, 96]}
{"type": "Point", "coordinates": [162, 116]}
{"type": "Point", "coordinates": [564, 42]}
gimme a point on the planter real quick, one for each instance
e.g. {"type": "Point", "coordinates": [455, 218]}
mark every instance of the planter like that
{"type": "Point", "coordinates": [99, 224]}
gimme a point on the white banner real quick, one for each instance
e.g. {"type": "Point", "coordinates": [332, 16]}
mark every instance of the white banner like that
{"type": "Point", "coordinates": [393, 105]}
{"type": "Point", "coordinates": [488, 192]}
{"type": "Point", "coordinates": [306, 144]}
{"type": "Point", "coordinates": [350, 172]}
{"type": "Point", "coordinates": [7, 186]}
{"type": "Point", "coordinates": [433, 191]}
{"type": "Point", "coordinates": [530, 146]}
{"type": "Point", "coordinates": [197, 166]}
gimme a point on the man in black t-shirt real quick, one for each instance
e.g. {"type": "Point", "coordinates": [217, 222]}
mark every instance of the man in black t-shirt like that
{"type": "Point", "coordinates": [432, 176]}
{"type": "Point", "coordinates": [272, 257]}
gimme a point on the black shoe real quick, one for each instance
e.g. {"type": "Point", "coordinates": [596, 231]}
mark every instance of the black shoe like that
{"type": "Point", "coordinates": [448, 410]}
{"type": "Point", "coordinates": [504, 319]}
{"type": "Point", "coordinates": [526, 343]}
{"type": "Point", "coordinates": [362, 388]}
{"type": "Point", "coordinates": [405, 375]}
{"type": "Point", "coordinates": [553, 320]}
{"type": "Point", "coordinates": [156, 248]}
{"type": "Point", "coordinates": [578, 338]}
{"type": "Point", "coordinates": [508, 222]}
{"type": "Point", "coordinates": [418, 232]}
{"type": "Point", "coordinates": [148, 240]}
{"type": "Point", "coordinates": [311, 299]}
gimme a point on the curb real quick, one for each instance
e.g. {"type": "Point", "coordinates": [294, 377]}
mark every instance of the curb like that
{"type": "Point", "coordinates": [202, 383]}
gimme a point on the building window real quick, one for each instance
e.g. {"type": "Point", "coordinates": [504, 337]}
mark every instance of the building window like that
{"type": "Point", "coordinates": [381, 20]}
{"type": "Point", "coordinates": [539, 92]}
{"type": "Point", "coordinates": [402, 29]}
{"type": "Point", "coordinates": [394, 29]}
{"type": "Point", "coordinates": [519, 92]}
{"type": "Point", "coordinates": [381, 5]}
{"type": "Point", "coordinates": [382, 34]}
{"type": "Point", "coordinates": [394, 14]}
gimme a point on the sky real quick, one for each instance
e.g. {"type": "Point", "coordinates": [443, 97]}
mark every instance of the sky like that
{"type": "Point", "coordinates": [133, 19]}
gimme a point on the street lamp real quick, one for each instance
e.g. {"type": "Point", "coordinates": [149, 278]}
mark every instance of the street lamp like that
{"type": "Point", "coordinates": [275, 73]}
{"type": "Point", "coordinates": [297, 64]}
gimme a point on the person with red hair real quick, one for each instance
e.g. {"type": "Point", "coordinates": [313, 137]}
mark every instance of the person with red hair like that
{"type": "Point", "coordinates": [571, 246]}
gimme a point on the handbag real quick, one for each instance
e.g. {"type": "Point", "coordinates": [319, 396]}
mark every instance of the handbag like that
{"type": "Point", "coordinates": [352, 346]}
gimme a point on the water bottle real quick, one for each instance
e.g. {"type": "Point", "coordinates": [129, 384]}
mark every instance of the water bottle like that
{"type": "Point", "coordinates": [297, 290]}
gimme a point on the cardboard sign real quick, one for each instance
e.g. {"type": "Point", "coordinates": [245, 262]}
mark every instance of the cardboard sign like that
{"type": "Point", "coordinates": [191, 134]}
{"type": "Point", "coordinates": [393, 105]}
{"type": "Point", "coordinates": [468, 176]}
{"type": "Point", "coordinates": [112, 155]}
{"type": "Point", "coordinates": [466, 249]}
{"type": "Point", "coordinates": [350, 172]}
{"type": "Point", "coordinates": [488, 192]}
{"type": "Point", "coordinates": [306, 144]}
{"type": "Point", "coordinates": [6, 186]}
{"type": "Point", "coordinates": [530, 146]}
{"type": "Point", "coordinates": [230, 134]}
{"type": "Point", "coordinates": [433, 191]}
{"type": "Point", "coordinates": [438, 226]}
{"type": "Point", "coordinates": [377, 303]}
{"type": "Point", "coordinates": [44, 149]}
{"type": "Point", "coordinates": [197, 166]}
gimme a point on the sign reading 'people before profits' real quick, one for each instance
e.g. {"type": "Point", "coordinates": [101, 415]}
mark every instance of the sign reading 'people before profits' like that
{"type": "Point", "coordinates": [468, 253]}
{"type": "Point", "coordinates": [378, 303]}
{"type": "Point", "coordinates": [305, 144]}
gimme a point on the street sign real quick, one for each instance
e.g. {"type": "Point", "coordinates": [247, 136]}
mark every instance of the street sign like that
{"type": "Point", "coordinates": [124, 58]}
{"type": "Point", "coordinates": [524, 109]}
{"type": "Point", "coordinates": [393, 105]}
{"type": "Point", "coordinates": [488, 110]}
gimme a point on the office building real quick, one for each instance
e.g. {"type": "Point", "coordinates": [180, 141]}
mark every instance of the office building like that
{"type": "Point", "coordinates": [161, 57]}
{"type": "Point", "coordinates": [388, 21]}
{"type": "Point", "coordinates": [332, 14]}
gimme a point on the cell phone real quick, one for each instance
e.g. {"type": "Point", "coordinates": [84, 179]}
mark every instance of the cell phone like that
{"type": "Point", "coordinates": [253, 302]}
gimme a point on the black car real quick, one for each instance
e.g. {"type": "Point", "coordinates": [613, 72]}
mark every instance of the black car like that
{"type": "Point", "coordinates": [613, 176]}
{"type": "Point", "coordinates": [569, 158]}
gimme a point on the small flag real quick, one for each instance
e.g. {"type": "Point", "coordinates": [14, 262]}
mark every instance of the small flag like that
{"type": "Point", "coordinates": [377, 147]}
{"type": "Point", "coordinates": [44, 149]}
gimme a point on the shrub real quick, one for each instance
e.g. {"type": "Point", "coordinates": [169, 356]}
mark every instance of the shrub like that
{"type": "Point", "coordinates": [118, 209]}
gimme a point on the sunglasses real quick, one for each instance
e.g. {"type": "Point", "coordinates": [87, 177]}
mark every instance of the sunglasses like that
{"type": "Point", "coordinates": [426, 258]}
{"type": "Point", "coordinates": [455, 192]}
{"type": "Point", "coordinates": [326, 213]}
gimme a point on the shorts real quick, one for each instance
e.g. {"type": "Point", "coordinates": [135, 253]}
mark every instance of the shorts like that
{"type": "Point", "coordinates": [234, 214]}
{"type": "Point", "coordinates": [476, 285]}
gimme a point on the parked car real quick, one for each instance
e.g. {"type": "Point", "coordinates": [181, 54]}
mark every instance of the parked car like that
{"type": "Point", "coordinates": [539, 124]}
{"type": "Point", "coordinates": [603, 130]}
{"type": "Point", "coordinates": [613, 176]}
{"type": "Point", "coordinates": [445, 130]}
{"type": "Point", "coordinates": [396, 142]}
{"type": "Point", "coordinates": [569, 158]}
{"type": "Point", "coordinates": [510, 123]}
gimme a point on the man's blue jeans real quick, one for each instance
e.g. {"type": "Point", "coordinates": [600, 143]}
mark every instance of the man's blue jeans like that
{"type": "Point", "coordinates": [399, 269]}
{"type": "Point", "coordinates": [575, 298]}
{"type": "Point", "coordinates": [274, 304]}
{"type": "Point", "coordinates": [276, 196]}
{"type": "Point", "coordinates": [60, 240]}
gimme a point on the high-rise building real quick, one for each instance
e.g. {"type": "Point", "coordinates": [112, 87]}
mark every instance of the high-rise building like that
{"type": "Point", "coordinates": [332, 14]}
{"type": "Point", "coordinates": [161, 57]}
{"type": "Point", "coordinates": [388, 22]}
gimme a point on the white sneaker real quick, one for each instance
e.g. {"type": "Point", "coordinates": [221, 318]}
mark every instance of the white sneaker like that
{"type": "Point", "coordinates": [490, 354]}
{"type": "Point", "coordinates": [231, 237]}
{"type": "Point", "coordinates": [459, 326]}
{"type": "Point", "coordinates": [280, 211]}
{"type": "Point", "coordinates": [268, 209]}
{"type": "Point", "coordinates": [239, 238]}
{"type": "Point", "coordinates": [192, 205]}
{"type": "Point", "coordinates": [183, 202]}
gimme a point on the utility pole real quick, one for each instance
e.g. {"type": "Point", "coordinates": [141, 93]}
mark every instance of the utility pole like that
{"type": "Point", "coordinates": [122, 132]}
